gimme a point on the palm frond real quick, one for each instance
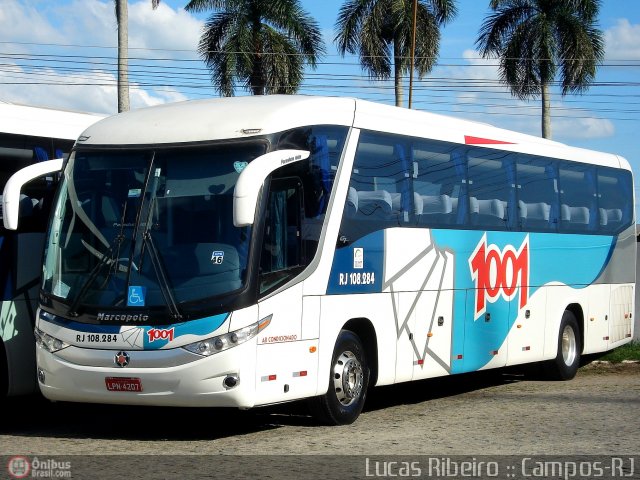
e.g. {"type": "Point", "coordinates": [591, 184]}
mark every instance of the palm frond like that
{"type": "Point", "coordinates": [204, 5]}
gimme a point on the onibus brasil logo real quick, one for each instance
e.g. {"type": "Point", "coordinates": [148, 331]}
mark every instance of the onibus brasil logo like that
{"type": "Point", "coordinates": [499, 273]}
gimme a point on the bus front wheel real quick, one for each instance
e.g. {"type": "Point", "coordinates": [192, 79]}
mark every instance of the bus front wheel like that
{"type": "Point", "coordinates": [348, 383]}
{"type": "Point", "coordinates": [565, 365]}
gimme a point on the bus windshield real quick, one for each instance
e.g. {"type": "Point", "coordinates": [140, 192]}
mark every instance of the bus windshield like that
{"type": "Point", "coordinates": [148, 228]}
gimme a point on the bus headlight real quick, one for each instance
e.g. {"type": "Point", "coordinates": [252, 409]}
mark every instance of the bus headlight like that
{"type": "Point", "coordinates": [213, 345]}
{"type": "Point", "coordinates": [49, 343]}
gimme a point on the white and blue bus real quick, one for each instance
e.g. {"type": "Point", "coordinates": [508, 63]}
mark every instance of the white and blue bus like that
{"type": "Point", "coordinates": [28, 136]}
{"type": "Point", "coordinates": [247, 251]}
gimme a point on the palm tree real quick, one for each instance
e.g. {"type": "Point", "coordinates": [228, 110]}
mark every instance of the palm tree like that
{"type": "Point", "coordinates": [535, 38]}
{"type": "Point", "coordinates": [122, 20]}
{"type": "Point", "coordinates": [380, 32]}
{"type": "Point", "coordinates": [263, 43]}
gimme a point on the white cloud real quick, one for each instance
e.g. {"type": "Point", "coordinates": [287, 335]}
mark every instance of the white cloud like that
{"type": "Point", "coordinates": [23, 22]}
{"type": "Point", "coordinates": [622, 41]}
{"type": "Point", "coordinates": [163, 28]}
{"type": "Point", "coordinates": [91, 23]}
{"type": "Point", "coordinates": [582, 128]}
{"type": "Point", "coordinates": [90, 91]}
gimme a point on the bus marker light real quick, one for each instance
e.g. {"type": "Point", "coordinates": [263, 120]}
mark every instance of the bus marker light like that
{"type": "Point", "coordinates": [526, 349]}
{"type": "Point", "coordinates": [419, 362]}
{"type": "Point", "coordinates": [302, 373]}
{"type": "Point", "coordinates": [312, 349]}
{"type": "Point", "coordinates": [605, 338]}
{"type": "Point", "coordinates": [459, 357]}
{"type": "Point", "coordinates": [430, 334]}
{"type": "Point", "coordinates": [519, 326]}
{"type": "Point", "coordinates": [268, 378]}
{"type": "Point", "coordinates": [495, 352]}
{"type": "Point", "coordinates": [264, 323]}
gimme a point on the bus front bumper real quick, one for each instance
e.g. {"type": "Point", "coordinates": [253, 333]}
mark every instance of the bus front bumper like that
{"type": "Point", "coordinates": [162, 377]}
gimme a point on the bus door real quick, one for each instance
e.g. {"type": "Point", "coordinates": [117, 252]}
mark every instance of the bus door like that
{"type": "Point", "coordinates": [285, 367]}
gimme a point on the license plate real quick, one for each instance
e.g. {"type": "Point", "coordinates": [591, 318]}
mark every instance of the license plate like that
{"type": "Point", "coordinates": [123, 384]}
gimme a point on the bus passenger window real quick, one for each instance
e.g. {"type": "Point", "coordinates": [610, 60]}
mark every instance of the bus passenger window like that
{"type": "Point", "coordinates": [614, 212]}
{"type": "Point", "coordinates": [578, 199]}
{"type": "Point", "coordinates": [538, 207]}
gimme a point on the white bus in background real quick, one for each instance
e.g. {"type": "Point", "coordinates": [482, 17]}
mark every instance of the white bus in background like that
{"type": "Point", "coordinates": [246, 251]}
{"type": "Point", "coordinates": [28, 135]}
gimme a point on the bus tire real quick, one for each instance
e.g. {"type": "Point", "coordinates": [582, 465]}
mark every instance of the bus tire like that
{"type": "Point", "coordinates": [565, 365]}
{"type": "Point", "coordinates": [348, 383]}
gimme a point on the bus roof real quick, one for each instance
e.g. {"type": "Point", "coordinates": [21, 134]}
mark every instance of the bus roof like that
{"type": "Point", "coordinates": [243, 117]}
{"type": "Point", "coordinates": [44, 122]}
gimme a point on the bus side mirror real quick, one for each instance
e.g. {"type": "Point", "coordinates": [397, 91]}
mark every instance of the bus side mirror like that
{"type": "Point", "coordinates": [11, 194]}
{"type": "Point", "coordinates": [245, 195]}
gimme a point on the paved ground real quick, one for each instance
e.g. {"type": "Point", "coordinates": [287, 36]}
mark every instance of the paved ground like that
{"type": "Point", "coordinates": [486, 413]}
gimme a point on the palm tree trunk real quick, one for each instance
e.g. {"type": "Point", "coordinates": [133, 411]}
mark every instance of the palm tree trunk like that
{"type": "Point", "coordinates": [257, 76]}
{"type": "Point", "coordinates": [546, 112]}
{"type": "Point", "coordinates": [123, 55]}
{"type": "Point", "coordinates": [397, 74]}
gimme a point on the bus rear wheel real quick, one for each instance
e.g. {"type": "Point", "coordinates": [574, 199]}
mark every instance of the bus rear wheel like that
{"type": "Point", "coordinates": [565, 365]}
{"type": "Point", "coordinates": [348, 383]}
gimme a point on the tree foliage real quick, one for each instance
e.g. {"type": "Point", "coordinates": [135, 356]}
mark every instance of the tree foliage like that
{"type": "Point", "coordinates": [264, 44]}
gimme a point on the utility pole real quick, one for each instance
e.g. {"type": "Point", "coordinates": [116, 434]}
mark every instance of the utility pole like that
{"type": "Point", "coordinates": [122, 16]}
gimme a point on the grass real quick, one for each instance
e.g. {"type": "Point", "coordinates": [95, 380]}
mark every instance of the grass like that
{"type": "Point", "coordinates": [630, 351]}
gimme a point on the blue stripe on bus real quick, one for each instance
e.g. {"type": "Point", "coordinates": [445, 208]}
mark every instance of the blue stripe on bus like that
{"type": "Point", "coordinates": [80, 327]}
{"type": "Point", "coordinates": [199, 327]}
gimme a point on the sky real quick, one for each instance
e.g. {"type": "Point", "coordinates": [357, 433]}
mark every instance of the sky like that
{"type": "Point", "coordinates": [62, 54]}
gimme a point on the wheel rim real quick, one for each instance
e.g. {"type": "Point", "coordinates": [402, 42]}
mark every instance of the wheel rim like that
{"type": "Point", "coordinates": [569, 345]}
{"type": "Point", "coordinates": [348, 378]}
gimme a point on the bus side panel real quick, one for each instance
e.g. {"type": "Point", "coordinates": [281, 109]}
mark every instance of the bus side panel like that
{"type": "Point", "coordinates": [423, 276]}
{"type": "Point", "coordinates": [286, 371]}
{"type": "Point", "coordinates": [24, 252]}
{"type": "Point", "coordinates": [280, 351]}
{"type": "Point", "coordinates": [19, 344]}
{"type": "Point", "coordinates": [621, 326]}
{"type": "Point", "coordinates": [415, 271]}
{"type": "Point", "coordinates": [596, 335]}
{"type": "Point", "coordinates": [337, 310]}
{"type": "Point", "coordinates": [526, 338]}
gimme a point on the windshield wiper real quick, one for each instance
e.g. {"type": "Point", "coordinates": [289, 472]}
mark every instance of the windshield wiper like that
{"type": "Point", "coordinates": [161, 275]}
{"type": "Point", "coordinates": [110, 258]}
{"type": "Point", "coordinates": [151, 185]}
{"type": "Point", "coordinates": [106, 258]}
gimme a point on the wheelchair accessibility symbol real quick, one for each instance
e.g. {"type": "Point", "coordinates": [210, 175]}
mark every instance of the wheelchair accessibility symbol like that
{"type": "Point", "coordinates": [136, 296]}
